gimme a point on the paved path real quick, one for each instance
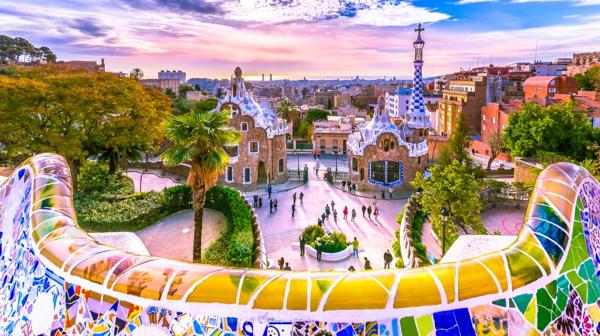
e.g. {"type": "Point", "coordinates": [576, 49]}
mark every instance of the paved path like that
{"type": "Point", "coordinates": [151, 180]}
{"type": "Point", "coordinates": [173, 236]}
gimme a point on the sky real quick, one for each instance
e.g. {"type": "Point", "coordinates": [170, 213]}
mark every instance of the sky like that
{"type": "Point", "coordinates": [304, 38]}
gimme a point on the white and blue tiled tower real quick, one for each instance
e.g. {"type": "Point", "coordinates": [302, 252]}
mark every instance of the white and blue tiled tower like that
{"type": "Point", "coordinates": [417, 118]}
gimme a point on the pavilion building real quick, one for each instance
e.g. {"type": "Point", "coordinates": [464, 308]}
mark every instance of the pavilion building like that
{"type": "Point", "coordinates": [383, 154]}
{"type": "Point", "coordinates": [260, 157]}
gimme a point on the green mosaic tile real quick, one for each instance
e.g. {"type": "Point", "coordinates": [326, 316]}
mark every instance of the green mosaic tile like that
{"type": "Point", "coordinates": [562, 296]}
{"type": "Point", "coordinates": [522, 301]}
{"type": "Point", "coordinates": [544, 308]}
{"type": "Point", "coordinates": [530, 312]}
{"type": "Point", "coordinates": [408, 326]}
{"type": "Point", "coordinates": [574, 278]}
{"type": "Point", "coordinates": [551, 289]}
{"type": "Point", "coordinates": [501, 303]}
{"type": "Point", "coordinates": [425, 324]}
{"type": "Point", "coordinates": [578, 250]}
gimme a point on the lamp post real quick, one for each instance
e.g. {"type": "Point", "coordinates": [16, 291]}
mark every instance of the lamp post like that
{"type": "Point", "coordinates": [444, 214]}
{"type": "Point", "coordinates": [335, 153]}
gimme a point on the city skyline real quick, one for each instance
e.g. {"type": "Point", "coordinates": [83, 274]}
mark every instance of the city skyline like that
{"type": "Point", "coordinates": [313, 39]}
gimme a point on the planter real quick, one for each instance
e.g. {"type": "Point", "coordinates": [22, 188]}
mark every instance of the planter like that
{"type": "Point", "coordinates": [343, 254]}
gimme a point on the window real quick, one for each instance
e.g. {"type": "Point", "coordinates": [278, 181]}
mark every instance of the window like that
{"type": "Point", "coordinates": [232, 151]}
{"type": "Point", "coordinates": [322, 144]}
{"type": "Point", "coordinates": [335, 144]}
{"type": "Point", "coordinates": [354, 164]}
{"type": "Point", "coordinates": [386, 173]}
{"type": "Point", "coordinates": [229, 174]}
{"type": "Point", "coordinates": [244, 127]}
{"type": "Point", "coordinates": [386, 145]}
{"type": "Point", "coordinates": [253, 148]}
{"type": "Point", "coordinates": [247, 175]}
{"type": "Point", "coordinates": [281, 166]}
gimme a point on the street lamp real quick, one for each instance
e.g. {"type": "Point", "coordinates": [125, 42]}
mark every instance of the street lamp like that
{"type": "Point", "coordinates": [335, 153]}
{"type": "Point", "coordinates": [444, 214]}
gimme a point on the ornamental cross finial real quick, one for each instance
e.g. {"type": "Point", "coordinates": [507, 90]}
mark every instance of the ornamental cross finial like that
{"type": "Point", "coordinates": [419, 29]}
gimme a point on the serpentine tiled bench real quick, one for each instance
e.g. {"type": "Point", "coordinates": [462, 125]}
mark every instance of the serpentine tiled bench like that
{"type": "Point", "coordinates": [56, 279]}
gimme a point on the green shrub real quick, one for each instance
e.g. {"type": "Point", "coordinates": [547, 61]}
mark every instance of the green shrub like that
{"type": "Point", "coordinates": [331, 243]}
{"type": "Point", "coordinates": [177, 198]}
{"type": "Point", "coordinates": [95, 180]}
{"type": "Point", "coordinates": [416, 229]}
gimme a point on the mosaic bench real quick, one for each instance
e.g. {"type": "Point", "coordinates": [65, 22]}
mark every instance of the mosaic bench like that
{"type": "Point", "coordinates": [56, 279]}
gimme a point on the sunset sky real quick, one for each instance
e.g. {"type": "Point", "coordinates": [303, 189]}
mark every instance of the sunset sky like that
{"type": "Point", "coordinates": [297, 38]}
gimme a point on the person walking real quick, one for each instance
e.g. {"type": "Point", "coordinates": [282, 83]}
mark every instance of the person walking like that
{"type": "Point", "coordinates": [355, 246]}
{"type": "Point", "coordinates": [269, 189]}
{"type": "Point", "coordinates": [327, 211]}
{"type": "Point", "coordinates": [302, 244]}
{"type": "Point", "coordinates": [293, 210]}
{"type": "Point", "coordinates": [317, 165]}
{"type": "Point", "coordinates": [343, 185]}
{"type": "Point", "coordinates": [314, 154]}
{"type": "Point", "coordinates": [387, 259]}
{"type": "Point", "coordinates": [294, 198]}
{"type": "Point", "coordinates": [335, 216]}
{"type": "Point", "coordinates": [354, 188]}
{"type": "Point", "coordinates": [281, 263]}
{"type": "Point", "coordinates": [270, 206]}
{"type": "Point", "coordinates": [382, 193]}
{"type": "Point", "coordinates": [332, 205]}
{"type": "Point", "coordinates": [368, 264]}
{"type": "Point", "coordinates": [345, 212]}
{"type": "Point", "coordinates": [323, 218]}
{"type": "Point", "coordinates": [376, 212]}
{"type": "Point", "coordinates": [255, 199]}
{"type": "Point", "coordinates": [353, 215]}
{"type": "Point", "coordinates": [319, 222]}
{"type": "Point", "coordinates": [301, 197]}
{"type": "Point", "coordinates": [391, 192]}
{"type": "Point", "coordinates": [287, 267]}
{"type": "Point", "coordinates": [364, 209]}
{"type": "Point", "coordinates": [319, 250]}
{"type": "Point", "coordinates": [260, 202]}
{"type": "Point", "coordinates": [369, 211]}
{"type": "Point", "coordinates": [275, 205]}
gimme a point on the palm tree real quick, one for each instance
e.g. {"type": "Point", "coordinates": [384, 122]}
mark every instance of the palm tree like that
{"type": "Point", "coordinates": [199, 138]}
{"type": "Point", "coordinates": [288, 111]}
{"type": "Point", "coordinates": [136, 73]}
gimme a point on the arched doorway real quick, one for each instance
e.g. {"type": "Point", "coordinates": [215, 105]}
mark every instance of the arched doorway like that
{"type": "Point", "coordinates": [262, 173]}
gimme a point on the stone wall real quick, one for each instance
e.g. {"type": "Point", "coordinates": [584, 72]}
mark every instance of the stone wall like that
{"type": "Point", "coordinates": [524, 169]}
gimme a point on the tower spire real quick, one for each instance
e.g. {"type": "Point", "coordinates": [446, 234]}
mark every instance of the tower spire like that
{"type": "Point", "coordinates": [418, 117]}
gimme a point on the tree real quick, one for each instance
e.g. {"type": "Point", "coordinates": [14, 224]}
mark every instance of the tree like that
{"type": "Point", "coordinates": [170, 93]}
{"type": "Point", "coordinates": [183, 106]}
{"type": "Point", "coordinates": [77, 114]}
{"type": "Point", "coordinates": [590, 80]}
{"type": "Point", "coordinates": [183, 88]}
{"type": "Point", "coordinates": [314, 114]}
{"type": "Point", "coordinates": [136, 73]}
{"type": "Point", "coordinates": [18, 50]}
{"type": "Point", "coordinates": [459, 142]}
{"type": "Point", "coordinates": [560, 129]}
{"type": "Point", "coordinates": [497, 145]}
{"type": "Point", "coordinates": [199, 138]}
{"type": "Point", "coordinates": [455, 189]}
{"type": "Point", "coordinates": [287, 111]}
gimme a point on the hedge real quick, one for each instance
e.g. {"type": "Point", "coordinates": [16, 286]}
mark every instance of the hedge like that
{"type": "Point", "coordinates": [237, 244]}
{"type": "Point", "coordinates": [416, 230]}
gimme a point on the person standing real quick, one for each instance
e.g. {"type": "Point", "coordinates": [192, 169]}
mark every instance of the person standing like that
{"type": "Point", "coordinates": [255, 199]}
{"type": "Point", "coordinates": [269, 189]}
{"type": "Point", "coordinates": [369, 211]}
{"type": "Point", "coordinates": [327, 211]}
{"type": "Point", "coordinates": [343, 185]}
{"type": "Point", "coordinates": [317, 164]}
{"type": "Point", "coordinates": [302, 244]}
{"type": "Point", "coordinates": [260, 202]}
{"type": "Point", "coordinates": [270, 206]}
{"type": "Point", "coordinates": [287, 267]}
{"type": "Point", "coordinates": [353, 215]}
{"type": "Point", "coordinates": [368, 264]}
{"type": "Point", "coordinates": [293, 210]}
{"type": "Point", "coordinates": [281, 263]}
{"type": "Point", "coordinates": [345, 212]}
{"type": "Point", "coordinates": [335, 216]}
{"type": "Point", "coordinates": [323, 218]}
{"type": "Point", "coordinates": [275, 205]}
{"type": "Point", "coordinates": [332, 205]}
{"type": "Point", "coordinates": [355, 246]}
{"type": "Point", "coordinates": [364, 209]}
{"type": "Point", "coordinates": [319, 250]}
{"type": "Point", "coordinates": [354, 188]}
{"type": "Point", "coordinates": [301, 197]}
{"type": "Point", "coordinates": [294, 198]}
{"type": "Point", "coordinates": [382, 193]}
{"type": "Point", "coordinates": [376, 212]}
{"type": "Point", "coordinates": [387, 259]}
{"type": "Point", "coordinates": [391, 192]}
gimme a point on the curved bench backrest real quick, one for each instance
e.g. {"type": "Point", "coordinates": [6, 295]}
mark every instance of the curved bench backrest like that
{"type": "Point", "coordinates": [57, 278]}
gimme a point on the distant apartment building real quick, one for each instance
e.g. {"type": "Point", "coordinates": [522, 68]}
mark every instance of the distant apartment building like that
{"type": "Point", "coordinates": [331, 135]}
{"type": "Point", "coordinates": [541, 89]}
{"type": "Point", "coordinates": [163, 84]}
{"type": "Point", "coordinates": [494, 119]}
{"type": "Point", "coordinates": [349, 110]}
{"type": "Point", "coordinates": [397, 103]}
{"type": "Point", "coordinates": [462, 98]}
{"type": "Point", "coordinates": [324, 98]}
{"type": "Point", "coordinates": [556, 68]}
{"type": "Point", "coordinates": [342, 99]}
{"type": "Point", "coordinates": [82, 65]}
{"type": "Point", "coordinates": [175, 74]}
{"type": "Point", "coordinates": [582, 62]}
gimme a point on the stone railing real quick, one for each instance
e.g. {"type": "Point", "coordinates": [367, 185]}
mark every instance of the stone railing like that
{"type": "Point", "coordinates": [59, 280]}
